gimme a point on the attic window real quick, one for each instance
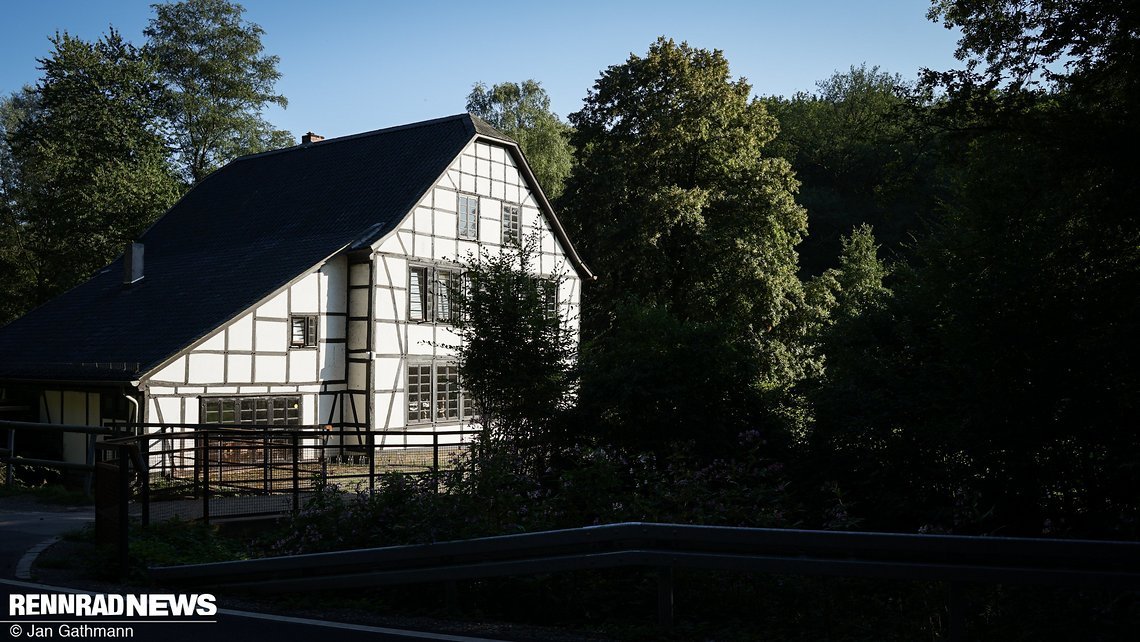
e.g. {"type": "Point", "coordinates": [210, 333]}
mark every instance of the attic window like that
{"type": "Point", "coordinates": [303, 331]}
{"type": "Point", "coordinates": [510, 223]}
{"type": "Point", "coordinates": [468, 217]}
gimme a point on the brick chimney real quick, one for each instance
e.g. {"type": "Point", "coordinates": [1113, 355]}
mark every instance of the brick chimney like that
{"type": "Point", "coordinates": [310, 138]}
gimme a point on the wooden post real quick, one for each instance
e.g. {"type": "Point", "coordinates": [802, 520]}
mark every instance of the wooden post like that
{"type": "Point", "coordinates": [296, 475]}
{"type": "Point", "coordinates": [371, 442]}
{"type": "Point", "coordinates": [435, 459]}
{"type": "Point", "coordinates": [206, 478]}
{"type": "Point", "coordinates": [957, 613]}
{"type": "Point", "coordinates": [11, 456]}
{"type": "Point", "coordinates": [665, 596]}
{"type": "Point", "coordinates": [144, 479]}
{"type": "Point", "coordinates": [124, 544]}
{"type": "Point", "coordinates": [89, 459]}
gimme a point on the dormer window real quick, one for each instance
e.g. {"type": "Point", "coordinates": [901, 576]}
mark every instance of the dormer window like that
{"type": "Point", "coordinates": [303, 331]}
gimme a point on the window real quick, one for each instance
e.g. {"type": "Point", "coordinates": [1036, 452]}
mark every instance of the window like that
{"type": "Point", "coordinates": [435, 394]}
{"type": "Point", "coordinates": [468, 217]}
{"type": "Point", "coordinates": [303, 331]}
{"type": "Point", "coordinates": [282, 410]}
{"type": "Point", "coordinates": [268, 413]}
{"type": "Point", "coordinates": [431, 294]}
{"type": "Point", "coordinates": [417, 293]}
{"type": "Point", "coordinates": [549, 292]}
{"type": "Point", "coordinates": [510, 223]}
{"type": "Point", "coordinates": [419, 393]}
{"type": "Point", "coordinates": [446, 289]}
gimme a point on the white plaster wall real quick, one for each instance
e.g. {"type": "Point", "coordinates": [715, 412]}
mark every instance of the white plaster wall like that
{"type": "Point", "coordinates": [428, 236]}
{"type": "Point", "coordinates": [251, 355]}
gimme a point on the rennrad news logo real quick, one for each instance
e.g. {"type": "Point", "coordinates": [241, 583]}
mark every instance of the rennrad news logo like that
{"type": "Point", "coordinates": [152, 605]}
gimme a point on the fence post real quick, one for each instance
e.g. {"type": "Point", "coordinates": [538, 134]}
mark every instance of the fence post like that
{"type": "Point", "coordinates": [89, 459]}
{"type": "Point", "coordinates": [124, 510]}
{"type": "Point", "coordinates": [144, 448]}
{"type": "Point", "coordinates": [371, 441]}
{"type": "Point", "coordinates": [206, 478]}
{"type": "Point", "coordinates": [665, 596]}
{"type": "Point", "coordinates": [296, 475]}
{"type": "Point", "coordinates": [435, 459]}
{"type": "Point", "coordinates": [266, 458]}
{"type": "Point", "coordinates": [957, 614]}
{"type": "Point", "coordinates": [11, 456]}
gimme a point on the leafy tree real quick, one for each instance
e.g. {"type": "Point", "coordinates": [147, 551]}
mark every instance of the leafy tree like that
{"type": "Point", "coordinates": [217, 81]}
{"type": "Point", "coordinates": [522, 111]}
{"type": "Point", "coordinates": [674, 199]}
{"type": "Point", "coordinates": [863, 154]}
{"type": "Point", "coordinates": [509, 324]}
{"type": "Point", "coordinates": [15, 277]}
{"type": "Point", "coordinates": [1014, 43]}
{"type": "Point", "coordinates": [993, 390]}
{"type": "Point", "coordinates": [88, 169]}
{"type": "Point", "coordinates": [692, 227]}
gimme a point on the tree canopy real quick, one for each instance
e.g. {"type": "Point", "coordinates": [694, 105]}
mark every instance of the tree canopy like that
{"type": "Point", "coordinates": [217, 83]}
{"type": "Point", "coordinates": [522, 111]}
{"type": "Point", "coordinates": [87, 168]}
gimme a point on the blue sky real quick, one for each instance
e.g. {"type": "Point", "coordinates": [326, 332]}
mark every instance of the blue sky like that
{"type": "Point", "coordinates": [356, 65]}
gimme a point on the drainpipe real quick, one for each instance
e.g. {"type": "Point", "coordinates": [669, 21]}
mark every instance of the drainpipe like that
{"type": "Point", "coordinates": [133, 418]}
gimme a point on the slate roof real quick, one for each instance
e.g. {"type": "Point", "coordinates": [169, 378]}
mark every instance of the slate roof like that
{"type": "Point", "coordinates": [239, 235]}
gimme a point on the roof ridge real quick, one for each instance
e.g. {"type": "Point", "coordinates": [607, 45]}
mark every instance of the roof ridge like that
{"type": "Point", "coordinates": [374, 132]}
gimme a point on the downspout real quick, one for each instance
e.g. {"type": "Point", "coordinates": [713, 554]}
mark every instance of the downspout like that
{"type": "Point", "coordinates": [133, 417]}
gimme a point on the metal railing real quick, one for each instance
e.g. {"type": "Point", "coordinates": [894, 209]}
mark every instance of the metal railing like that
{"type": "Point", "coordinates": [197, 471]}
{"type": "Point", "coordinates": [10, 457]}
{"type": "Point", "coordinates": [212, 472]}
{"type": "Point", "coordinates": [665, 547]}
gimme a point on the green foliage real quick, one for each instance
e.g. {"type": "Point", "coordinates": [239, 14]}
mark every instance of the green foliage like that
{"type": "Point", "coordinates": [516, 353]}
{"type": "Point", "coordinates": [654, 381]}
{"type": "Point", "coordinates": [486, 495]}
{"type": "Point", "coordinates": [991, 391]}
{"type": "Point", "coordinates": [698, 323]}
{"type": "Point", "coordinates": [1017, 41]}
{"type": "Point", "coordinates": [87, 169]}
{"type": "Point", "coordinates": [673, 199]}
{"type": "Point", "coordinates": [863, 155]}
{"type": "Point", "coordinates": [522, 111]}
{"type": "Point", "coordinates": [217, 82]}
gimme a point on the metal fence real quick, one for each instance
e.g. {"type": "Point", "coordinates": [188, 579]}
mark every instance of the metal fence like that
{"type": "Point", "coordinates": [216, 472]}
{"type": "Point", "coordinates": [13, 455]}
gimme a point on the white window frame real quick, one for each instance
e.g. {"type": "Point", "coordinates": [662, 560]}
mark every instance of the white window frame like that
{"type": "Point", "coordinates": [467, 225]}
{"type": "Point", "coordinates": [440, 399]}
{"type": "Point", "coordinates": [512, 223]}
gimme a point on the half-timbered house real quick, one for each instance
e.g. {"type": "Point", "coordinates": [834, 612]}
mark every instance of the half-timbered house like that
{"type": "Point", "coordinates": [293, 287]}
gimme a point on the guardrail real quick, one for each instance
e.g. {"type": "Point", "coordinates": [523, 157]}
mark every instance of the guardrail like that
{"type": "Point", "coordinates": [949, 558]}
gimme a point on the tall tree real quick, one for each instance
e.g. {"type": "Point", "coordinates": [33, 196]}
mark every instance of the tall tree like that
{"type": "Point", "coordinates": [863, 155]}
{"type": "Point", "coordinates": [15, 277]}
{"type": "Point", "coordinates": [89, 169]}
{"type": "Point", "coordinates": [1000, 389]}
{"type": "Point", "coordinates": [674, 198]}
{"type": "Point", "coordinates": [522, 111]}
{"type": "Point", "coordinates": [218, 82]}
{"type": "Point", "coordinates": [509, 321]}
{"type": "Point", "coordinates": [692, 227]}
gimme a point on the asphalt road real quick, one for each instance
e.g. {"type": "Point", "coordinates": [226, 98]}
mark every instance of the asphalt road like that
{"type": "Point", "coordinates": [21, 529]}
